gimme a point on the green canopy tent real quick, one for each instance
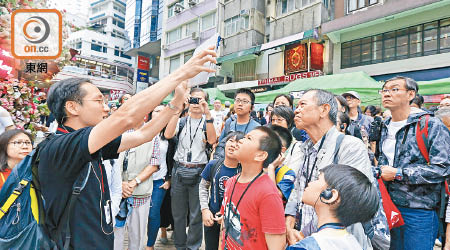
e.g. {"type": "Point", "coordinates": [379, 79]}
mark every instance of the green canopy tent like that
{"type": "Point", "coordinates": [214, 93]}
{"type": "Point", "coordinates": [434, 87]}
{"type": "Point", "coordinates": [361, 82]}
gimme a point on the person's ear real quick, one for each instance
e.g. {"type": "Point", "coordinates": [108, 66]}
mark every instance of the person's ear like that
{"type": "Point", "coordinates": [324, 110]}
{"type": "Point", "coordinates": [411, 95]}
{"type": "Point", "coordinates": [283, 149]}
{"type": "Point", "coordinates": [261, 156]}
{"type": "Point", "coordinates": [72, 108]}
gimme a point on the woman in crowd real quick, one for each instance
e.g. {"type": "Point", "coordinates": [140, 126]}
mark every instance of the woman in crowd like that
{"type": "Point", "coordinates": [269, 110]}
{"type": "Point", "coordinates": [161, 181]}
{"type": "Point", "coordinates": [15, 144]}
{"type": "Point", "coordinates": [260, 118]}
{"type": "Point", "coordinates": [286, 100]}
{"type": "Point", "coordinates": [371, 111]}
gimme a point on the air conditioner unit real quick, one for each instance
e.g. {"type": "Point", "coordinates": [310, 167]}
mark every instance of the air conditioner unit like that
{"type": "Point", "coordinates": [245, 12]}
{"type": "Point", "coordinates": [178, 9]}
{"type": "Point", "coordinates": [192, 2]}
{"type": "Point", "coordinates": [195, 36]}
{"type": "Point", "coordinates": [163, 47]}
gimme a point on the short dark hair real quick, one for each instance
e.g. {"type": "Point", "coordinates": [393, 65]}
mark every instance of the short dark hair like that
{"type": "Point", "coordinates": [410, 83]}
{"type": "Point", "coordinates": [247, 92]}
{"type": "Point", "coordinates": [270, 143]}
{"type": "Point", "coordinates": [418, 100]}
{"type": "Point", "coordinates": [288, 97]}
{"type": "Point", "coordinates": [5, 137]}
{"type": "Point", "coordinates": [373, 110]}
{"type": "Point", "coordinates": [325, 97]}
{"type": "Point", "coordinates": [238, 134]}
{"type": "Point", "coordinates": [355, 190]}
{"type": "Point", "coordinates": [344, 118]}
{"type": "Point", "coordinates": [286, 112]}
{"type": "Point", "coordinates": [63, 91]}
{"type": "Point", "coordinates": [194, 90]}
{"type": "Point", "coordinates": [343, 102]}
{"type": "Point", "coordinates": [284, 134]}
{"type": "Point", "coordinates": [269, 105]}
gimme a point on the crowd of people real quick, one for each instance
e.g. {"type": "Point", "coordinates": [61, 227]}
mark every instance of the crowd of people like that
{"type": "Point", "coordinates": [307, 174]}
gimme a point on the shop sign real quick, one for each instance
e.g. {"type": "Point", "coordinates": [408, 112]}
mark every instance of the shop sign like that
{"type": "Point", "coordinates": [143, 62]}
{"type": "Point", "coordinates": [316, 56]}
{"type": "Point", "coordinates": [289, 78]}
{"type": "Point", "coordinates": [116, 94]}
{"type": "Point", "coordinates": [260, 89]}
{"type": "Point", "coordinates": [142, 75]}
{"type": "Point", "coordinates": [295, 58]}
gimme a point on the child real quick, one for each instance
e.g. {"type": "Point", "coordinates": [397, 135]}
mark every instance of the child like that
{"type": "Point", "coordinates": [252, 209]}
{"type": "Point", "coordinates": [341, 197]}
{"type": "Point", "coordinates": [281, 175]}
{"type": "Point", "coordinates": [218, 172]}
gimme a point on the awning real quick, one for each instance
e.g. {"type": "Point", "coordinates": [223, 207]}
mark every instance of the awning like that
{"type": "Point", "coordinates": [238, 54]}
{"type": "Point", "coordinates": [150, 48]}
{"type": "Point", "coordinates": [290, 39]}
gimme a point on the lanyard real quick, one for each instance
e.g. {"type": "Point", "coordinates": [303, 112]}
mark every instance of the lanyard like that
{"type": "Point", "coordinates": [245, 130]}
{"type": "Point", "coordinates": [239, 201]}
{"type": "Point", "coordinates": [3, 178]}
{"type": "Point", "coordinates": [190, 132]}
{"type": "Point", "coordinates": [309, 174]}
{"type": "Point", "coordinates": [331, 225]}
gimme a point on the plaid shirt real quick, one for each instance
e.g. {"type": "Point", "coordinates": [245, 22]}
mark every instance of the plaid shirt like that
{"type": "Point", "coordinates": [137, 201]}
{"type": "Point", "coordinates": [155, 158]}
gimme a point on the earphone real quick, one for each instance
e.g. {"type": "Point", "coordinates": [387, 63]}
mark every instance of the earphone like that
{"type": "Point", "coordinates": [326, 194]}
{"type": "Point", "coordinates": [342, 126]}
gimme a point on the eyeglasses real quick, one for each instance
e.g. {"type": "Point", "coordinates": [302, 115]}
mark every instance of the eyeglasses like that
{"type": "Point", "coordinates": [278, 120]}
{"type": "Point", "coordinates": [99, 101]}
{"type": "Point", "coordinates": [350, 98]}
{"type": "Point", "coordinates": [444, 105]}
{"type": "Point", "coordinates": [393, 91]}
{"type": "Point", "coordinates": [242, 101]}
{"type": "Point", "coordinates": [21, 143]}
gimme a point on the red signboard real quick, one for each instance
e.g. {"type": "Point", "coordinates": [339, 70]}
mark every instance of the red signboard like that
{"type": "Point", "coordinates": [143, 62]}
{"type": "Point", "coordinates": [289, 78]}
{"type": "Point", "coordinates": [316, 56]}
{"type": "Point", "coordinates": [295, 58]}
{"type": "Point", "coordinates": [115, 94]}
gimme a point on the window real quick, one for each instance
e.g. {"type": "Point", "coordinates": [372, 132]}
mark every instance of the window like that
{"type": "Point", "coordinates": [95, 10]}
{"type": "Point", "coordinates": [78, 45]}
{"type": "Point", "coordinates": [124, 56]}
{"type": "Point", "coordinates": [119, 9]}
{"type": "Point", "coordinates": [235, 24]}
{"type": "Point", "coordinates": [420, 40]}
{"type": "Point", "coordinates": [191, 28]}
{"type": "Point", "coordinates": [116, 51]}
{"type": "Point", "coordinates": [118, 23]}
{"type": "Point", "coordinates": [245, 71]}
{"type": "Point", "coordinates": [188, 55]}
{"type": "Point", "coordinates": [174, 63]}
{"type": "Point", "coordinates": [171, 10]}
{"type": "Point", "coordinates": [208, 21]}
{"type": "Point", "coordinates": [285, 6]}
{"type": "Point", "coordinates": [359, 4]}
{"type": "Point", "coordinates": [99, 48]}
{"type": "Point", "coordinates": [174, 35]}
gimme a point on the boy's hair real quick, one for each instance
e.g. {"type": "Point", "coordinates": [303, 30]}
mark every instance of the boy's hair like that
{"type": "Point", "coordinates": [270, 143]}
{"type": "Point", "coordinates": [284, 134]}
{"type": "Point", "coordinates": [355, 191]}
{"type": "Point", "coordinates": [286, 113]}
{"type": "Point", "coordinates": [238, 134]}
{"type": "Point", "coordinates": [247, 92]}
{"type": "Point", "coordinates": [63, 91]}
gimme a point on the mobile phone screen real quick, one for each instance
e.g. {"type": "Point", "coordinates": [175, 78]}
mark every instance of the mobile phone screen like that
{"type": "Point", "coordinates": [202, 78]}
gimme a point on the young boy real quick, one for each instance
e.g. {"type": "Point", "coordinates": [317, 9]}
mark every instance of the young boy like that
{"type": "Point", "coordinates": [281, 174]}
{"type": "Point", "coordinates": [218, 172]}
{"type": "Point", "coordinates": [341, 197]}
{"type": "Point", "coordinates": [252, 209]}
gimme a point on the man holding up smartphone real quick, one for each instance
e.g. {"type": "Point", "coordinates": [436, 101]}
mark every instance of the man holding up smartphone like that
{"type": "Point", "coordinates": [190, 159]}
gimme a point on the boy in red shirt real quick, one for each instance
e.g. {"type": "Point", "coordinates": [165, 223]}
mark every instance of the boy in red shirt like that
{"type": "Point", "coordinates": [253, 215]}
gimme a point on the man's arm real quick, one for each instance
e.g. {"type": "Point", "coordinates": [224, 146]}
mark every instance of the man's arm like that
{"type": "Point", "coordinates": [275, 241]}
{"type": "Point", "coordinates": [171, 127]}
{"type": "Point", "coordinates": [144, 102]}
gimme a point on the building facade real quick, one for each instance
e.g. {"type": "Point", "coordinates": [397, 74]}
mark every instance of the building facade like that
{"type": "Point", "coordinates": [386, 38]}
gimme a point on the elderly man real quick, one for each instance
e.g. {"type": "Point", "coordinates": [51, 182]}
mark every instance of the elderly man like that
{"type": "Point", "coordinates": [218, 115]}
{"type": "Point", "coordinates": [316, 114]}
{"type": "Point", "coordinates": [445, 102]}
{"type": "Point", "coordinates": [413, 178]}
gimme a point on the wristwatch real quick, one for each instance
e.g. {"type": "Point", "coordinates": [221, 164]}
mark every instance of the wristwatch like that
{"type": "Point", "coordinates": [137, 180]}
{"type": "Point", "coordinates": [210, 120]}
{"type": "Point", "coordinates": [172, 107]}
{"type": "Point", "coordinates": [399, 174]}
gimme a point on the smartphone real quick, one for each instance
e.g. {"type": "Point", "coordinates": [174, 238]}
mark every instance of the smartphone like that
{"type": "Point", "coordinates": [203, 77]}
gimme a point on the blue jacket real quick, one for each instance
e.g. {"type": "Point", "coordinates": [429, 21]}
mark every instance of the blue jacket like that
{"type": "Point", "coordinates": [421, 183]}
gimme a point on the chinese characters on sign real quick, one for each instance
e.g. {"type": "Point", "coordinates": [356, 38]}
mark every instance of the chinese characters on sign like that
{"type": "Point", "coordinates": [143, 63]}
{"type": "Point", "coordinates": [295, 58]}
{"type": "Point", "coordinates": [36, 67]}
{"type": "Point", "coordinates": [289, 78]}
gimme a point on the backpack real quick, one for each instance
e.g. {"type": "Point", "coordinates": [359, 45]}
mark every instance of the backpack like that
{"type": "Point", "coordinates": [214, 170]}
{"type": "Point", "coordinates": [377, 229]}
{"type": "Point", "coordinates": [22, 220]}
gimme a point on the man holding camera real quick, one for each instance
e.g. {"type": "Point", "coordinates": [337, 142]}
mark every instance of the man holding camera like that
{"type": "Point", "coordinates": [190, 159]}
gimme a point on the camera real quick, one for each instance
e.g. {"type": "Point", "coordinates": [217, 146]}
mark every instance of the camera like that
{"type": "Point", "coordinates": [194, 100]}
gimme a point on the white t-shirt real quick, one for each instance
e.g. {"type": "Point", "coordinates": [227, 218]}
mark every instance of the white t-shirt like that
{"type": "Point", "coordinates": [5, 120]}
{"type": "Point", "coordinates": [218, 120]}
{"type": "Point", "coordinates": [161, 173]}
{"type": "Point", "coordinates": [389, 144]}
{"type": "Point", "coordinates": [197, 149]}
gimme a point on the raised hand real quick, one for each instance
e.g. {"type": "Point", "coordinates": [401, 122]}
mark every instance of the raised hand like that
{"type": "Point", "coordinates": [195, 65]}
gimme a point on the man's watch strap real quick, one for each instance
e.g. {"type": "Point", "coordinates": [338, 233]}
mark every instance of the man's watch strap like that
{"type": "Point", "coordinates": [210, 120]}
{"type": "Point", "coordinates": [138, 181]}
{"type": "Point", "coordinates": [399, 174]}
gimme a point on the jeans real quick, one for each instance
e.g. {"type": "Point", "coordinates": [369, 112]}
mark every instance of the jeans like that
{"type": "Point", "coordinates": [154, 219]}
{"type": "Point", "coordinates": [419, 232]}
{"type": "Point", "coordinates": [212, 235]}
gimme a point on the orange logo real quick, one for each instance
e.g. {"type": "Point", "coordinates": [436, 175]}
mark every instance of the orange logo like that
{"type": "Point", "coordinates": [36, 34]}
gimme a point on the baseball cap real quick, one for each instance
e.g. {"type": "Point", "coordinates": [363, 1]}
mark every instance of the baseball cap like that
{"type": "Point", "coordinates": [352, 93]}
